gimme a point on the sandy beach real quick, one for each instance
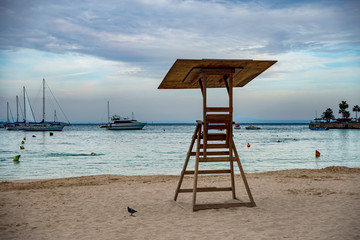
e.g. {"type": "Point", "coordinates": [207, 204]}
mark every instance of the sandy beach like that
{"type": "Point", "coordinates": [291, 204]}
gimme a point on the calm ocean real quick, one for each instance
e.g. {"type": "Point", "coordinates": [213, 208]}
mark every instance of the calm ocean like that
{"type": "Point", "coordinates": [161, 149]}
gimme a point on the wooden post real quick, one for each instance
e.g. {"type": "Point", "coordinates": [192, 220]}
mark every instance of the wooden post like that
{"type": "Point", "coordinates": [196, 172]}
{"type": "Point", "coordinates": [204, 79]}
{"type": "Point", "coordinates": [229, 80]}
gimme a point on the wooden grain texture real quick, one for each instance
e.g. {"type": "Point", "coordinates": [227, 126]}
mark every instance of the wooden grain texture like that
{"type": "Point", "coordinates": [222, 205]}
{"type": "Point", "coordinates": [185, 73]}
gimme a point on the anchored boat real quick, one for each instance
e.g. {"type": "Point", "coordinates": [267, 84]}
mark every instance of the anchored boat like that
{"type": "Point", "coordinates": [43, 125]}
{"type": "Point", "coordinates": [252, 127]}
{"type": "Point", "coordinates": [118, 123]}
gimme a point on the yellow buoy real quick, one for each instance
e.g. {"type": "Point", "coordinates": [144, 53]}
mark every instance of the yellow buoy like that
{"type": "Point", "coordinates": [17, 157]}
{"type": "Point", "coordinates": [21, 147]}
{"type": "Point", "coordinates": [24, 138]}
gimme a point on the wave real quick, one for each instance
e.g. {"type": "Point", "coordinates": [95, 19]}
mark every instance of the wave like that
{"type": "Point", "coordinates": [73, 154]}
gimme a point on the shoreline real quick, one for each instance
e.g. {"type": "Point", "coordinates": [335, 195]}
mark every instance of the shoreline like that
{"type": "Point", "coordinates": [325, 169]}
{"type": "Point", "coordinates": [293, 204]}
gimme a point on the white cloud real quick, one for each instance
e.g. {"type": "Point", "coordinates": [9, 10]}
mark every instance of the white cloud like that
{"type": "Point", "coordinates": [106, 49]}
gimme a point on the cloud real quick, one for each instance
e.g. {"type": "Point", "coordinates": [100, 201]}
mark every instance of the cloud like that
{"type": "Point", "coordinates": [121, 50]}
{"type": "Point", "coordinates": [143, 31]}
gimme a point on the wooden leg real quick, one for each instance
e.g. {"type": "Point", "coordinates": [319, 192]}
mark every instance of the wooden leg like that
{"type": "Point", "coordinates": [242, 172]}
{"type": "Point", "coordinates": [231, 157]}
{"type": "Point", "coordinates": [196, 172]}
{"type": "Point", "coordinates": [186, 161]}
{"type": "Point", "coordinates": [232, 177]}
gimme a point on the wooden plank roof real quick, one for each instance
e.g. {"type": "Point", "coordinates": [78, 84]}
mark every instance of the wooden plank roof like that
{"type": "Point", "coordinates": [185, 72]}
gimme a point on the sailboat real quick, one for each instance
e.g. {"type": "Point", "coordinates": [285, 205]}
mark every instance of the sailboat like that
{"type": "Point", "coordinates": [43, 126]}
{"type": "Point", "coordinates": [17, 125]}
{"type": "Point", "coordinates": [9, 125]}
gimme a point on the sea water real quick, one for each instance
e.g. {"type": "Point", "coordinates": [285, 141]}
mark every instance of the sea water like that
{"type": "Point", "coordinates": [162, 149]}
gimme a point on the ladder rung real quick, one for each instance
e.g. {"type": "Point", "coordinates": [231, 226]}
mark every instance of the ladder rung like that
{"type": "Point", "coordinates": [215, 145]}
{"type": "Point", "coordinates": [211, 153]}
{"type": "Point", "coordinates": [216, 159]}
{"type": "Point", "coordinates": [223, 205]}
{"type": "Point", "coordinates": [218, 118]}
{"type": "Point", "coordinates": [205, 189]}
{"type": "Point", "coordinates": [217, 109]}
{"type": "Point", "coordinates": [222, 126]}
{"type": "Point", "coordinates": [216, 136]}
{"type": "Point", "coordinates": [219, 171]}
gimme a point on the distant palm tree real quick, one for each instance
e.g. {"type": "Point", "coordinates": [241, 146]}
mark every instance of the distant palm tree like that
{"type": "Point", "coordinates": [356, 109]}
{"type": "Point", "coordinates": [328, 115]}
{"type": "Point", "coordinates": [343, 106]}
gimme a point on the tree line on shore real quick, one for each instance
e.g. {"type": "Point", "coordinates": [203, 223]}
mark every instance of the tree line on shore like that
{"type": "Point", "coordinates": [343, 106]}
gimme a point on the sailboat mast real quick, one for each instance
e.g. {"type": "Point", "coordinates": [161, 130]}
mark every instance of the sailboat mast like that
{"type": "Point", "coordinates": [7, 111]}
{"type": "Point", "coordinates": [17, 109]}
{"type": "Point", "coordinates": [24, 105]}
{"type": "Point", "coordinates": [55, 117]}
{"type": "Point", "coordinates": [108, 111]}
{"type": "Point", "coordinates": [44, 99]}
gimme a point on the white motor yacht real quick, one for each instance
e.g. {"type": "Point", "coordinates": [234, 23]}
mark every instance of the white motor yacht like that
{"type": "Point", "coordinates": [118, 123]}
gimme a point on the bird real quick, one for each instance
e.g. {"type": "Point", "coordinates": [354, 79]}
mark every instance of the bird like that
{"type": "Point", "coordinates": [131, 211]}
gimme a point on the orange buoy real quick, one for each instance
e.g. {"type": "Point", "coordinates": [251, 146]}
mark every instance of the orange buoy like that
{"type": "Point", "coordinates": [248, 145]}
{"type": "Point", "coordinates": [317, 153]}
{"type": "Point", "coordinates": [24, 138]}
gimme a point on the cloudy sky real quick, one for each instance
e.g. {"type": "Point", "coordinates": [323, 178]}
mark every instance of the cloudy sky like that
{"type": "Point", "coordinates": [91, 52]}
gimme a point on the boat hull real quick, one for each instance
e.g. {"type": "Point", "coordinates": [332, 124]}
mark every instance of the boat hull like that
{"type": "Point", "coordinates": [319, 128]}
{"type": "Point", "coordinates": [38, 128]}
{"type": "Point", "coordinates": [12, 128]}
{"type": "Point", "coordinates": [334, 125]}
{"type": "Point", "coordinates": [252, 128]}
{"type": "Point", "coordinates": [126, 126]}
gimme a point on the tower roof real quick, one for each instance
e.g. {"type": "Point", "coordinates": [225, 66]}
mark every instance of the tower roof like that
{"type": "Point", "coordinates": [185, 73]}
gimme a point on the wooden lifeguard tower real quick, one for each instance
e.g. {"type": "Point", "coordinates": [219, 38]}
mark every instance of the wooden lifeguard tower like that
{"type": "Point", "coordinates": [213, 146]}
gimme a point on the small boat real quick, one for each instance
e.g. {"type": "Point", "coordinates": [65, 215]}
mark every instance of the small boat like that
{"type": "Point", "coordinates": [237, 126]}
{"type": "Point", "coordinates": [318, 128]}
{"type": "Point", "coordinates": [252, 127]}
{"type": "Point", "coordinates": [119, 123]}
